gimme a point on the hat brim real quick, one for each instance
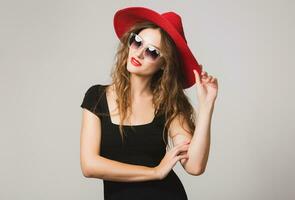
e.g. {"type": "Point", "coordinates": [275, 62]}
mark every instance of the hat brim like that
{"type": "Point", "coordinates": [125, 18]}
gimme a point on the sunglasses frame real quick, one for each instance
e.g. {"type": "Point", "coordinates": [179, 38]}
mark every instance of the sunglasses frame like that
{"type": "Point", "coordinates": [145, 46]}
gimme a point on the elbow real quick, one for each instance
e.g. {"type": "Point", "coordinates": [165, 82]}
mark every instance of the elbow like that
{"type": "Point", "coordinates": [196, 172]}
{"type": "Point", "coordinates": [90, 169]}
{"type": "Point", "coordinates": [200, 172]}
{"type": "Point", "coordinates": [86, 168]}
{"type": "Point", "coordinates": [86, 171]}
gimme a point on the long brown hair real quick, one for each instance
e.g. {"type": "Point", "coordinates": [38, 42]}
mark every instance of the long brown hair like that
{"type": "Point", "coordinates": [169, 98]}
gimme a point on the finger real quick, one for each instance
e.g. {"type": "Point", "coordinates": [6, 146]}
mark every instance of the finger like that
{"type": "Point", "coordinates": [197, 77]}
{"type": "Point", "coordinates": [181, 149]}
{"type": "Point", "coordinates": [185, 156]}
{"type": "Point", "coordinates": [182, 143]}
{"type": "Point", "coordinates": [178, 148]}
{"type": "Point", "coordinates": [174, 148]}
{"type": "Point", "coordinates": [209, 78]}
{"type": "Point", "coordinates": [179, 157]}
{"type": "Point", "coordinates": [204, 73]}
{"type": "Point", "coordinates": [182, 153]}
{"type": "Point", "coordinates": [201, 66]}
{"type": "Point", "coordinates": [186, 142]}
{"type": "Point", "coordinates": [215, 80]}
{"type": "Point", "coordinates": [204, 76]}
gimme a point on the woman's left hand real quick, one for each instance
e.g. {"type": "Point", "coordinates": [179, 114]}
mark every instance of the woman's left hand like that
{"type": "Point", "coordinates": [207, 87]}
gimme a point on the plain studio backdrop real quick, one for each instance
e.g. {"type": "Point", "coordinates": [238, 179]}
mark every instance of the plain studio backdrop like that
{"type": "Point", "coordinates": [52, 51]}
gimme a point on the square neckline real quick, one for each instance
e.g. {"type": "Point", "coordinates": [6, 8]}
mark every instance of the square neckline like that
{"type": "Point", "coordinates": [124, 125]}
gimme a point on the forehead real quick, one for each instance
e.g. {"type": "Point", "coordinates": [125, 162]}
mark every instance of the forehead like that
{"type": "Point", "coordinates": [151, 36]}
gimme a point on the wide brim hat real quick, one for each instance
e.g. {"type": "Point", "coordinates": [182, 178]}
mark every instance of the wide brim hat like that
{"type": "Point", "coordinates": [170, 22]}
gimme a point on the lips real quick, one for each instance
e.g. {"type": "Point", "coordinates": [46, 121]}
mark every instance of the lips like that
{"type": "Point", "coordinates": [135, 62]}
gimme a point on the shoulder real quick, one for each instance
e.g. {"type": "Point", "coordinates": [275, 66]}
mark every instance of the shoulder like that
{"type": "Point", "coordinates": [93, 89]}
{"type": "Point", "coordinates": [92, 97]}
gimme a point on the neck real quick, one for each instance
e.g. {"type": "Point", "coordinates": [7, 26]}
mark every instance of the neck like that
{"type": "Point", "coordinates": [140, 86]}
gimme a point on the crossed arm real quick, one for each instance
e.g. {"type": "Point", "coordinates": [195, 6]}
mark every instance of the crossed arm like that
{"type": "Point", "coordinates": [199, 146]}
{"type": "Point", "coordinates": [93, 165]}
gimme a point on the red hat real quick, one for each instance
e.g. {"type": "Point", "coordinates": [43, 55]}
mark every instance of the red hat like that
{"type": "Point", "coordinates": [168, 21]}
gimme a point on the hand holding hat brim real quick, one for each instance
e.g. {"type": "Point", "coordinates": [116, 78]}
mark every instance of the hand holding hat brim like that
{"type": "Point", "coordinates": [171, 23]}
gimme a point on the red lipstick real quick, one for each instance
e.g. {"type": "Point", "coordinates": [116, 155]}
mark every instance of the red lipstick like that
{"type": "Point", "coordinates": [135, 62]}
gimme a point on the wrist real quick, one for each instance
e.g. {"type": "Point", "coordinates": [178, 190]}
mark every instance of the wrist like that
{"type": "Point", "coordinates": [155, 174]}
{"type": "Point", "coordinates": [206, 107]}
{"type": "Point", "coordinates": [207, 104]}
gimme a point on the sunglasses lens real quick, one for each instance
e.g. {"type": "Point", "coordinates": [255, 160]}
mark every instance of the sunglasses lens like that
{"type": "Point", "coordinates": [135, 41]}
{"type": "Point", "coordinates": [152, 53]}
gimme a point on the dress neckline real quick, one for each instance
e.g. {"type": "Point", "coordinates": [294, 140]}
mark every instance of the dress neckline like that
{"type": "Point", "coordinates": [124, 125]}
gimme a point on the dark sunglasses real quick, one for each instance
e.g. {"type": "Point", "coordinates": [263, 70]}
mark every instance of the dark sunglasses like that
{"type": "Point", "coordinates": [151, 52]}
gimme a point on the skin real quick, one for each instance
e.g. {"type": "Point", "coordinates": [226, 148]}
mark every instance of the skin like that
{"type": "Point", "coordinates": [192, 152]}
{"type": "Point", "coordinates": [142, 107]}
{"type": "Point", "coordinates": [141, 76]}
{"type": "Point", "coordinates": [199, 143]}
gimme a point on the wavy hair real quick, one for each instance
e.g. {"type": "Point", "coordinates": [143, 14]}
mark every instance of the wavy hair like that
{"type": "Point", "coordinates": [166, 85]}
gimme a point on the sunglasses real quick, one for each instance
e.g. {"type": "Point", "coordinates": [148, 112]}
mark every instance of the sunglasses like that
{"type": "Point", "coordinates": [151, 52]}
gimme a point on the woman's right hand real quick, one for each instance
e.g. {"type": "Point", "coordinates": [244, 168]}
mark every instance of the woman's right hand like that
{"type": "Point", "coordinates": [170, 159]}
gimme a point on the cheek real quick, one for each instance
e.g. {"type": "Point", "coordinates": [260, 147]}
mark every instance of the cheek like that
{"type": "Point", "coordinates": [129, 53]}
{"type": "Point", "coordinates": [151, 66]}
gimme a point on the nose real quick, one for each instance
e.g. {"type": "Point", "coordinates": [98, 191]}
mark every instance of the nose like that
{"type": "Point", "coordinates": [140, 52]}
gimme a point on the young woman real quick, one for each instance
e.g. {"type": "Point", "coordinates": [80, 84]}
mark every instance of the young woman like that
{"type": "Point", "coordinates": [126, 124]}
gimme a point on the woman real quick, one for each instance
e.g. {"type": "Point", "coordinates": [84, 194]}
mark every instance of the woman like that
{"type": "Point", "coordinates": [126, 124]}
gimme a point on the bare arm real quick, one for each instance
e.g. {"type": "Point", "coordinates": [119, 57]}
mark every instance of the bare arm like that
{"type": "Point", "coordinates": [112, 170]}
{"type": "Point", "coordinates": [95, 166]}
{"type": "Point", "coordinates": [199, 143]}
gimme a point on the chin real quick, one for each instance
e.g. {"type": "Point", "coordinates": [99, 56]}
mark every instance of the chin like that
{"type": "Point", "coordinates": [131, 68]}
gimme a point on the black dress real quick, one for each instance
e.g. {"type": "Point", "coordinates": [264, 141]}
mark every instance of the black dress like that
{"type": "Point", "coordinates": [143, 145]}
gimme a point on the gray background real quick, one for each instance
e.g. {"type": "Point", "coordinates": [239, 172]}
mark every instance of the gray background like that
{"type": "Point", "coordinates": [51, 52]}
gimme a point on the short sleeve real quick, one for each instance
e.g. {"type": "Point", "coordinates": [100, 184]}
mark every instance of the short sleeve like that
{"type": "Point", "coordinates": [92, 99]}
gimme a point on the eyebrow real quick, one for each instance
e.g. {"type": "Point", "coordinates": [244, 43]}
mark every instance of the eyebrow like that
{"type": "Point", "coordinates": [149, 43]}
